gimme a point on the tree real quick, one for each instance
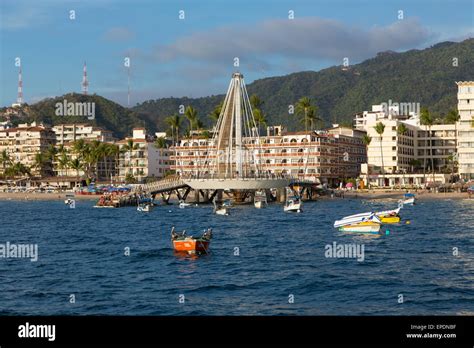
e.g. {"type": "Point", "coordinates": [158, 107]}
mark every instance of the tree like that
{"type": "Point", "coordinates": [39, 163]}
{"type": "Point", "coordinates": [174, 122]}
{"type": "Point", "coordinates": [427, 120]}
{"type": "Point", "coordinates": [215, 114]}
{"type": "Point", "coordinates": [303, 107]}
{"type": "Point", "coordinates": [367, 139]}
{"type": "Point", "coordinates": [17, 169]}
{"type": "Point", "coordinates": [160, 143]}
{"type": "Point", "coordinates": [129, 147]}
{"type": "Point", "coordinates": [111, 151]}
{"type": "Point", "coordinates": [452, 118]}
{"type": "Point", "coordinates": [380, 128]}
{"type": "Point", "coordinates": [5, 160]}
{"type": "Point", "coordinates": [259, 118]}
{"type": "Point", "coordinates": [76, 164]}
{"type": "Point", "coordinates": [402, 129]}
{"type": "Point", "coordinates": [63, 161]}
{"type": "Point", "coordinates": [191, 114]}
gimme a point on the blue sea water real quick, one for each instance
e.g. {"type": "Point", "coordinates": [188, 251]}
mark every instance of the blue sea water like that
{"type": "Point", "coordinates": [81, 252]}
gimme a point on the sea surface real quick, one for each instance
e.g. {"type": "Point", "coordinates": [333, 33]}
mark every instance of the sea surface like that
{"type": "Point", "coordinates": [262, 262]}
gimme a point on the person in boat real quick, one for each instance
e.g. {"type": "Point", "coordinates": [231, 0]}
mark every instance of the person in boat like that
{"type": "Point", "coordinates": [175, 235]}
{"type": "Point", "coordinates": [207, 235]}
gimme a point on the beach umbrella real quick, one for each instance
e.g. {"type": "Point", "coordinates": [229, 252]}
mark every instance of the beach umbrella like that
{"type": "Point", "coordinates": [349, 185]}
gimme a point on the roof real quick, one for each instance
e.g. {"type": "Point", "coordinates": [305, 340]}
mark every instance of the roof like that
{"type": "Point", "coordinates": [29, 129]}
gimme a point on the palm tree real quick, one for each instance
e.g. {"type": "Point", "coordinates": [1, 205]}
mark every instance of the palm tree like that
{"type": "Point", "coordinates": [17, 169]}
{"type": "Point", "coordinates": [111, 151]}
{"type": "Point", "coordinates": [76, 164]}
{"type": "Point", "coordinates": [313, 117]}
{"type": "Point", "coordinates": [367, 139]}
{"type": "Point", "coordinates": [214, 115]}
{"type": "Point", "coordinates": [452, 118]}
{"type": "Point", "coordinates": [259, 118]}
{"type": "Point", "coordinates": [303, 107]}
{"type": "Point", "coordinates": [130, 146]}
{"type": "Point", "coordinates": [191, 115]}
{"type": "Point", "coordinates": [402, 129]}
{"type": "Point", "coordinates": [427, 120]}
{"type": "Point", "coordinates": [380, 128]}
{"type": "Point", "coordinates": [41, 158]}
{"type": "Point", "coordinates": [5, 160]}
{"type": "Point", "coordinates": [63, 161]}
{"type": "Point", "coordinates": [174, 122]}
{"type": "Point", "coordinates": [160, 143]}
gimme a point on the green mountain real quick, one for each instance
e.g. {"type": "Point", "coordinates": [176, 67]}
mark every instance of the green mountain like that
{"type": "Point", "coordinates": [108, 114]}
{"type": "Point", "coordinates": [421, 76]}
{"type": "Point", "coordinates": [425, 76]}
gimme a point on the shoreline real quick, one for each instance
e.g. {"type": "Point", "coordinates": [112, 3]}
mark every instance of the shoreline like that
{"type": "Point", "coordinates": [365, 195]}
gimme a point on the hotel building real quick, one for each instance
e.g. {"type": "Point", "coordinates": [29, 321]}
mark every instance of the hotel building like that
{"type": "Point", "coordinates": [320, 156]}
{"type": "Point", "coordinates": [405, 159]}
{"type": "Point", "coordinates": [22, 143]}
{"type": "Point", "coordinates": [71, 132]}
{"type": "Point", "coordinates": [465, 128]}
{"type": "Point", "coordinates": [144, 160]}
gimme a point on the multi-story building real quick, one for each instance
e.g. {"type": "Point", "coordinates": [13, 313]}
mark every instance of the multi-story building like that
{"type": "Point", "coordinates": [71, 132]}
{"type": "Point", "coordinates": [465, 128]}
{"type": "Point", "coordinates": [393, 155]}
{"type": "Point", "coordinates": [140, 157]}
{"type": "Point", "coordinates": [323, 156]}
{"type": "Point", "coordinates": [24, 142]}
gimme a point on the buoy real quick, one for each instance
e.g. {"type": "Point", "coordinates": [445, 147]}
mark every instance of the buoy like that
{"type": "Point", "coordinates": [407, 222]}
{"type": "Point", "coordinates": [169, 211]}
{"type": "Point", "coordinates": [387, 232]}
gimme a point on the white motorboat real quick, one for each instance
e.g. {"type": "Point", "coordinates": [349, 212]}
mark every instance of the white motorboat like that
{"type": "Point", "coordinates": [145, 207]}
{"type": "Point", "coordinates": [260, 199]}
{"type": "Point", "coordinates": [370, 228]}
{"type": "Point", "coordinates": [220, 209]}
{"type": "Point", "coordinates": [293, 205]}
{"type": "Point", "coordinates": [357, 219]}
{"type": "Point", "coordinates": [183, 204]}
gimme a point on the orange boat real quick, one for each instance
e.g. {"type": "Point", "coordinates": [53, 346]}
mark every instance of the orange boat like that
{"type": "Point", "coordinates": [190, 244]}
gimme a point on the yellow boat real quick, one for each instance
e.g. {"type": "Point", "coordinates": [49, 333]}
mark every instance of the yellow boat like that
{"type": "Point", "coordinates": [390, 219]}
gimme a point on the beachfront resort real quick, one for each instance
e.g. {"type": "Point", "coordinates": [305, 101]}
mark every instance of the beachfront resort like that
{"type": "Point", "coordinates": [387, 147]}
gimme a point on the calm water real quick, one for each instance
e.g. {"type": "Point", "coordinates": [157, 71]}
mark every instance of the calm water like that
{"type": "Point", "coordinates": [81, 252]}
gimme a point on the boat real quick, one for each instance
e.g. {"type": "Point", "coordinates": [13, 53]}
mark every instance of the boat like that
{"type": "Point", "coordinates": [408, 199]}
{"type": "Point", "coordinates": [293, 205]}
{"type": "Point", "coordinates": [260, 199]}
{"type": "Point", "coordinates": [360, 224]}
{"type": "Point", "coordinates": [183, 204]}
{"type": "Point", "coordinates": [220, 209]}
{"type": "Point", "coordinates": [69, 199]}
{"type": "Point", "coordinates": [387, 216]}
{"type": "Point", "coordinates": [363, 227]}
{"type": "Point", "coordinates": [190, 244]}
{"type": "Point", "coordinates": [146, 207]}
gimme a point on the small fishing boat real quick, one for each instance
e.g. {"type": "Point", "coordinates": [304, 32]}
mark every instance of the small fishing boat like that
{"type": "Point", "coordinates": [386, 217]}
{"type": "Point", "coordinates": [260, 199]}
{"type": "Point", "coordinates": [190, 244]}
{"type": "Point", "coordinates": [360, 224]}
{"type": "Point", "coordinates": [363, 227]}
{"type": "Point", "coordinates": [183, 204]}
{"type": "Point", "coordinates": [145, 207]}
{"type": "Point", "coordinates": [408, 199]}
{"type": "Point", "coordinates": [293, 205]}
{"type": "Point", "coordinates": [220, 209]}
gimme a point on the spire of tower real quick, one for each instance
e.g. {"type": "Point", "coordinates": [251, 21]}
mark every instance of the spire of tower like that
{"type": "Point", "coordinates": [19, 99]}
{"type": "Point", "coordinates": [85, 83]}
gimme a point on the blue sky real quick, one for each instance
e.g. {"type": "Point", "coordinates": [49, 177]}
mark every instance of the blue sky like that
{"type": "Point", "coordinates": [194, 57]}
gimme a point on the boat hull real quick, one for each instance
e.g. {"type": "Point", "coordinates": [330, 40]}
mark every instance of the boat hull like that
{"type": "Point", "coordinates": [191, 246]}
{"type": "Point", "coordinates": [361, 228]}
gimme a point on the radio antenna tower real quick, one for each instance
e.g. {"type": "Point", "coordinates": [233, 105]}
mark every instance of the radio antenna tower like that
{"type": "Point", "coordinates": [19, 99]}
{"type": "Point", "coordinates": [85, 83]}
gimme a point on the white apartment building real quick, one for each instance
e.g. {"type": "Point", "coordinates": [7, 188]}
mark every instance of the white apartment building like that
{"type": "Point", "coordinates": [22, 143]}
{"type": "Point", "coordinates": [395, 155]}
{"type": "Point", "coordinates": [465, 129]}
{"type": "Point", "coordinates": [71, 132]}
{"type": "Point", "coordinates": [144, 159]}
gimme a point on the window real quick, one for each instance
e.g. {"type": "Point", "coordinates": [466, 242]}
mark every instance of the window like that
{"type": "Point", "coordinates": [394, 158]}
{"type": "Point", "coordinates": [394, 148]}
{"type": "Point", "coordinates": [394, 138]}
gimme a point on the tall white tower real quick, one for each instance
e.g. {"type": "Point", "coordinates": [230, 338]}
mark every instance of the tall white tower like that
{"type": "Point", "coordinates": [85, 83]}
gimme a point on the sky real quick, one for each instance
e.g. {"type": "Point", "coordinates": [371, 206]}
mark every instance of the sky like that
{"type": "Point", "coordinates": [194, 56]}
